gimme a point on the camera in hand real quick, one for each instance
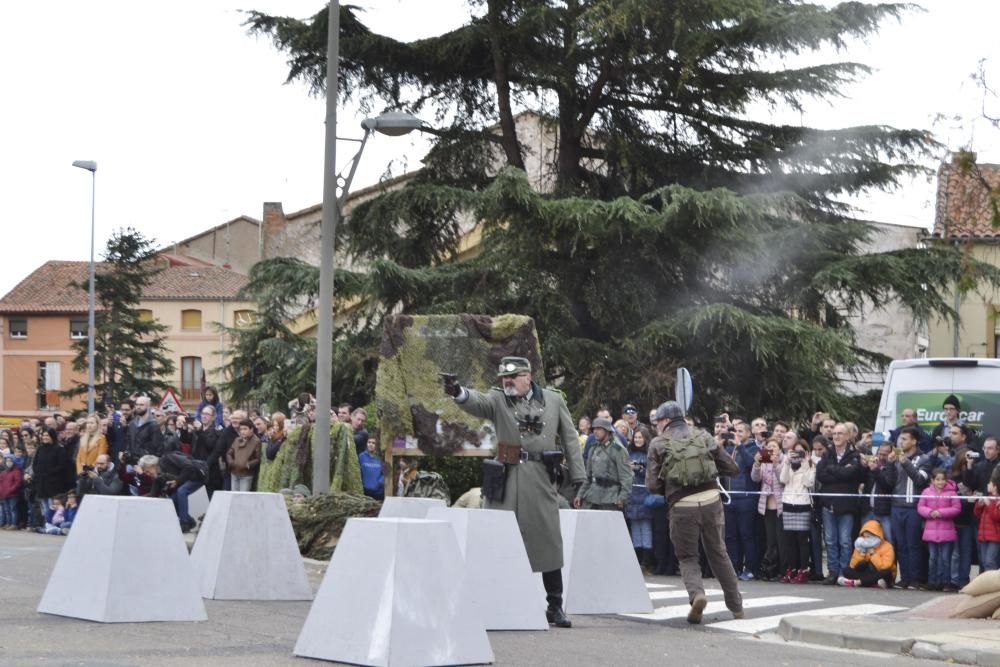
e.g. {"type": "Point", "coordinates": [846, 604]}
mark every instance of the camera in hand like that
{"type": "Point", "coordinates": [972, 455]}
{"type": "Point", "coordinates": [88, 468]}
{"type": "Point", "coordinates": [765, 456]}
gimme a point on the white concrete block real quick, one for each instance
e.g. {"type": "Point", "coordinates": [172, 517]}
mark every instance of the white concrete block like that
{"type": "Point", "coordinates": [395, 507]}
{"type": "Point", "coordinates": [198, 503]}
{"type": "Point", "coordinates": [601, 574]}
{"type": "Point", "coordinates": [246, 550]}
{"type": "Point", "coordinates": [125, 561]}
{"type": "Point", "coordinates": [394, 595]}
{"type": "Point", "coordinates": [508, 595]}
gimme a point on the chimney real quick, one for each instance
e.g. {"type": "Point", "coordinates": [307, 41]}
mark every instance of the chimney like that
{"type": "Point", "coordinates": [273, 223]}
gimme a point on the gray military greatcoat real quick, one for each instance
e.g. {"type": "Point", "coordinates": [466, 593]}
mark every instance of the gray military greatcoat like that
{"type": "Point", "coordinates": [530, 493]}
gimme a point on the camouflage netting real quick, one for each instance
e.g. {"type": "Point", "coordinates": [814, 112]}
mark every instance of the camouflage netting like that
{"type": "Point", "coordinates": [319, 520]}
{"type": "Point", "coordinates": [416, 348]}
{"type": "Point", "coordinates": [293, 465]}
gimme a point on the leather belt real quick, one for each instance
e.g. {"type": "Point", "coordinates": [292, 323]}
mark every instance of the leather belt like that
{"type": "Point", "coordinates": [515, 454]}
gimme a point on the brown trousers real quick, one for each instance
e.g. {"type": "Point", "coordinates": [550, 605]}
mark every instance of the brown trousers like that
{"type": "Point", "coordinates": [707, 522]}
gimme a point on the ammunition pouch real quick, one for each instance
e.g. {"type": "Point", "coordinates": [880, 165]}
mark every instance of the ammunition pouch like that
{"type": "Point", "coordinates": [552, 460]}
{"type": "Point", "coordinates": [494, 480]}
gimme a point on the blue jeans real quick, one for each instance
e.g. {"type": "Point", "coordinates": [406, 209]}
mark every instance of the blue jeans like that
{"type": "Point", "coordinates": [908, 529]}
{"type": "Point", "coordinates": [961, 560]}
{"type": "Point", "coordinates": [884, 520]}
{"type": "Point", "coordinates": [8, 512]}
{"type": "Point", "coordinates": [989, 556]}
{"type": "Point", "coordinates": [837, 530]}
{"type": "Point", "coordinates": [740, 540]}
{"type": "Point", "coordinates": [181, 499]}
{"type": "Point", "coordinates": [940, 562]}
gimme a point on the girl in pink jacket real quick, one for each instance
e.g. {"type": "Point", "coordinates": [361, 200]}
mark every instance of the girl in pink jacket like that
{"type": "Point", "coordinates": [939, 506]}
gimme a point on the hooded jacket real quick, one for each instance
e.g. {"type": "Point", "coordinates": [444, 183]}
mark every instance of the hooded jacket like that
{"type": "Point", "coordinates": [941, 529]}
{"type": "Point", "coordinates": [882, 557]}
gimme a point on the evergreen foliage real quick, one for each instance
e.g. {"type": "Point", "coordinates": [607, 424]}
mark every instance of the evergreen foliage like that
{"type": "Point", "coordinates": [676, 227]}
{"type": "Point", "coordinates": [130, 353]}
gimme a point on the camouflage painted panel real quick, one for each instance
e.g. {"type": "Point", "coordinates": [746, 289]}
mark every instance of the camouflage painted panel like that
{"type": "Point", "coordinates": [412, 407]}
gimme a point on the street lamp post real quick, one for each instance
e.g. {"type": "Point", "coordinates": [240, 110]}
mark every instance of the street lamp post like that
{"type": "Point", "coordinates": [90, 166]}
{"type": "Point", "coordinates": [392, 124]}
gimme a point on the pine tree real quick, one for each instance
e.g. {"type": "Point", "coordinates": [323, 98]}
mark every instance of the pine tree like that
{"type": "Point", "coordinates": [130, 352]}
{"type": "Point", "coordinates": [679, 230]}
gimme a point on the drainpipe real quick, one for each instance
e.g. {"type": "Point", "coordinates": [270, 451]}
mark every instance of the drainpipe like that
{"type": "Point", "coordinates": [222, 334]}
{"type": "Point", "coordinates": [957, 324]}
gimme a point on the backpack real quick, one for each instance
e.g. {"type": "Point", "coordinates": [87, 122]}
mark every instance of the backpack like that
{"type": "Point", "coordinates": [687, 461]}
{"type": "Point", "coordinates": [428, 484]}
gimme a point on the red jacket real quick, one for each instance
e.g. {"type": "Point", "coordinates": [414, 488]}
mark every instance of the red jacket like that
{"type": "Point", "coordinates": [10, 482]}
{"type": "Point", "coordinates": [988, 514]}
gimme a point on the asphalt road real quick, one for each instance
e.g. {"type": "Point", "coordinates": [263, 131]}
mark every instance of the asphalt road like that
{"type": "Point", "coordinates": [255, 633]}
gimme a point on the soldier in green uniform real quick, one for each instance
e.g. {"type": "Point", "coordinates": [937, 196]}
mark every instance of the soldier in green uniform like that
{"type": "Point", "coordinates": [609, 471]}
{"type": "Point", "coordinates": [532, 425]}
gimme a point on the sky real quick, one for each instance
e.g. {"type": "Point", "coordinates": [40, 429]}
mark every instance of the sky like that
{"type": "Point", "coordinates": [191, 123]}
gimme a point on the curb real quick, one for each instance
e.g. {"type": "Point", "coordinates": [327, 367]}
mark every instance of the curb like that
{"type": "Point", "coordinates": [800, 630]}
{"type": "Point", "coordinates": [927, 640]}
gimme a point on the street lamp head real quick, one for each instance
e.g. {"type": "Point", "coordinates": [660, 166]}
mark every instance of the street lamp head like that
{"type": "Point", "coordinates": [393, 123]}
{"type": "Point", "coordinates": [89, 165]}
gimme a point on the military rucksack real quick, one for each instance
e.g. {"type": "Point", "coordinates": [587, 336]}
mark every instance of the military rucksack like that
{"type": "Point", "coordinates": [687, 461]}
{"type": "Point", "coordinates": [428, 484]}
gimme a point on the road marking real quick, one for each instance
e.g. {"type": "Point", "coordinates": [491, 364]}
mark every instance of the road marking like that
{"type": "Point", "coordinates": [655, 586]}
{"type": "Point", "coordinates": [673, 595]}
{"type": "Point", "coordinates": [754, 625]}
{"type": "Point", "coordinates": [680, 611]}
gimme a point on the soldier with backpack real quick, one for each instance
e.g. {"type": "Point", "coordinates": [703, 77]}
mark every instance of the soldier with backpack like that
{"type": "Point", "coordinates": [684, 465]}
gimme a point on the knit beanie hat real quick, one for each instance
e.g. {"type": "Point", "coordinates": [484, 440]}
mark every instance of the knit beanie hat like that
{"type": "Point", "coordinates": [952, 400]}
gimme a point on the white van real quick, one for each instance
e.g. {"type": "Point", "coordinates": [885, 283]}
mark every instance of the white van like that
{"type": "Point", "coordinates": [923, 384]}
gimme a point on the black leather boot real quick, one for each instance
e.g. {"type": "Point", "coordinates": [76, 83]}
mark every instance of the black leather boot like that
{"type": "Point", "coordinates": [557, 617]}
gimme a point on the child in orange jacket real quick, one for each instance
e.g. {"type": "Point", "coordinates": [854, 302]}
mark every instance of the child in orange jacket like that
{"type": "Point", "coordinates": [873, 562]}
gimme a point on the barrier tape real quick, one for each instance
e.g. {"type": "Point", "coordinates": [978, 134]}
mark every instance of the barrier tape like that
{"type": "Point", "coordinates": [729, 494]}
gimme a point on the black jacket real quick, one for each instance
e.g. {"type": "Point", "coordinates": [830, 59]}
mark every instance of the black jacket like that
{"type": "Point", "coordinates": [844, 476]}
{"type": "Point", "coordinates": [53, 471]}
{"type": "Point", "coordinates": [977, 478]}
{"type": "Point", "coordinates": [209, 446]}
{"type": "Point", "coordinates": [145, 439]}
{"type": "Point", "coordinates": [876, 489]}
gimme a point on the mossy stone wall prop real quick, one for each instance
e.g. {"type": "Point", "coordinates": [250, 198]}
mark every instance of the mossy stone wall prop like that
{"type": "Point", "coordinates": [415, 348]}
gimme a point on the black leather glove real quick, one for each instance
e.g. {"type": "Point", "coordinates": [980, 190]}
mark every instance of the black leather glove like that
{"type": "Point", "coordinates": [451, 385]}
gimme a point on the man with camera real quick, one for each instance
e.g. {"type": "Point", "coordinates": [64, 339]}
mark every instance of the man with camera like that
{"type": "Point", "coordinates": [909, 418]}
{"type": "Point", "coordinates": [178, 476]}
{"type": "Point", "coordinates": [979, 469]}
{"type": "Point", "coordinates": [101, 479]}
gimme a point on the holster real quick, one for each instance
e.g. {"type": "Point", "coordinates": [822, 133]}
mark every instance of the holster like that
{"type": "Point", "coordinates": [508, 453]}
{"type": "Point", "coordinates": [552, 459]}
{"type": "Point", "coordinates": [494, 480]}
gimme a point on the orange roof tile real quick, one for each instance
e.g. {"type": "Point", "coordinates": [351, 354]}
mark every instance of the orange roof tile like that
{"type": "Point", "coordinates": [50, 289]}
{"type": "Point", "coordinates": [964, 209]}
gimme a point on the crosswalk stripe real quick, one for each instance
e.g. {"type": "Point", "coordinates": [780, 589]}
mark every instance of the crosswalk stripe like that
{"type": "Point", "coordinates": [754, 625]}
{"type": "Point", "coordinates": [680, 611]}
{"type": "Point", "coordinates": [673, 595]}
{"type": "Point", "coordinates": [656, 586]}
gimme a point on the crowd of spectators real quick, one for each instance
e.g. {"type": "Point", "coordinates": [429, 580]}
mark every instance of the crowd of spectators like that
{"type": "Point", "coordinates": [907, 508]}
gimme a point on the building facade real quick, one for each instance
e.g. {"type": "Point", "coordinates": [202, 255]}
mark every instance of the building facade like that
{"type": "Point", "coordinates": [45, 314]}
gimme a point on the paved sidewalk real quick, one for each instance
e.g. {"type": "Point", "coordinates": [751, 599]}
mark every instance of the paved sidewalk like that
{"type": "Point", "coordinates": [964, 641]}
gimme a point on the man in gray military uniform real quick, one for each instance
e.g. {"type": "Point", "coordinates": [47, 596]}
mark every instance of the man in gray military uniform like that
{"type": "Point", "coordinates": [609, 471]}
{"type": "Point", "coordinates": [695, 508]}
{"type": "Point", "coordinates": [532, 424]}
